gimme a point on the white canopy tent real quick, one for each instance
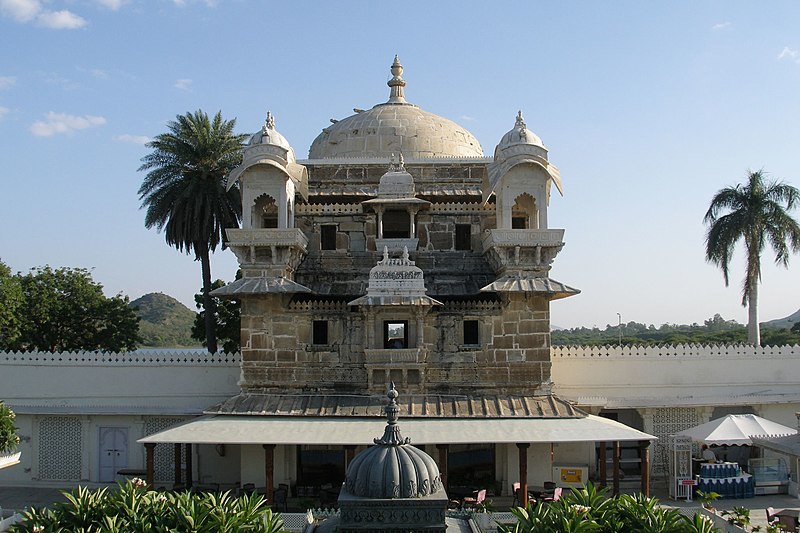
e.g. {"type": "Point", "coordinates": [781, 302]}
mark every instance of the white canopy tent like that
{"type": "Point", "coordinates": [736, 430]}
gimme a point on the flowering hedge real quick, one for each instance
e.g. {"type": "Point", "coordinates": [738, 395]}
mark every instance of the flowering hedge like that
{"type": "Point", "coordinates": [132, 507]}
{"type": "Point", "coordinates": [8, 432]}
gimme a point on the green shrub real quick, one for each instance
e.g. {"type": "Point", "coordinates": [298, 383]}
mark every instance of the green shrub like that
{"type": "Point", "coordinates": [132, 508]}
{"type": "Point", "coordinates": [589, 510]}
{"type": "Point", "coordinates": [8, 432]}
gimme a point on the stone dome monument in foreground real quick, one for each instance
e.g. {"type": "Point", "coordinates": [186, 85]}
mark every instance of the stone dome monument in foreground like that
{"type": "Point", "coordinates": [392, 486]}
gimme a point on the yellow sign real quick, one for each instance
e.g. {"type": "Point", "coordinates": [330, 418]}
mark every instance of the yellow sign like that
{"type": "Point", "coordinates": [571, 475]}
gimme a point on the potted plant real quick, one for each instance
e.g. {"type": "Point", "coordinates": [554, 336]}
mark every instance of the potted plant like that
{"type": "Point", "coordinates": [707, 499]}
{"type": "Point", "coordinates": [8, 437]}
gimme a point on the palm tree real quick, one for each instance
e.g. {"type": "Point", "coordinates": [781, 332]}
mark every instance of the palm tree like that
{"type": "Point", "coordinates": [758, 212]}
{"type": "Point", "coordinates": [185, 191]}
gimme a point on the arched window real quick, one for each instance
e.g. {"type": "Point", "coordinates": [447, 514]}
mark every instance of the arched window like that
{"type": "Point", "coordinates": [524, 214]}
{"type": "Point", "coordinates": [265, 212]}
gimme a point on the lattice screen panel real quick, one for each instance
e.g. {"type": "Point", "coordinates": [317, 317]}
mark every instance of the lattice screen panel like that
{"type": "Point", "coordinates": [669, 421]}
{"type": "Point", "coordinates": [60, 450]}
{"type": "Point", "coordinates": [164, 457]}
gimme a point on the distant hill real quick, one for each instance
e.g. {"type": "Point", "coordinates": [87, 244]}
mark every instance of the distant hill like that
{"type": "Point", "coordinates": [786, 322]}
{"type": "Point", "coordinates": [164, 322]}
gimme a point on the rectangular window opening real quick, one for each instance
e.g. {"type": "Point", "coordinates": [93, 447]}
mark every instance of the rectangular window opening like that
{"type": "Point", "coordinates": [463, 237]}
{"type": "Point", "coordinates": [471, 332]}
{"type": "Point", "coordinates": [320, 332]}
{"type": "Point", "coordinates": [327, 240]}
{"type": "Point", "coordinates": [519, 222]}
{"type": "Point", "coordinates": [395, 334]}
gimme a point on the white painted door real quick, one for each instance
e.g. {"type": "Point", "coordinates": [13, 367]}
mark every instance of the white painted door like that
{"type": "Point", "coordinates": [113, 452]}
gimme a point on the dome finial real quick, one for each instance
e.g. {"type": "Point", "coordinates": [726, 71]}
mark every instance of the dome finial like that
{"type": "Point", "coordinates": [520, 121]}
{"type": "Point", "coordinates": [391, 435]}
{"type": "Point", "coordinates": [269, 122]}
{"type": "Point", "coordinates": [397, 83]}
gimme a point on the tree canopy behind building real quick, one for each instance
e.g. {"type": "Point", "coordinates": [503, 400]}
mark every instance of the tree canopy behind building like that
{"type": "Point", "coordinates": [63, 309]}
{"type": "Point", "coordinates": [715, 330]}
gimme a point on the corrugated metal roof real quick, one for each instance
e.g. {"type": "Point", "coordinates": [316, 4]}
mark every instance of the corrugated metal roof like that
{"type": "Point", "coordinates": [411, 406]}
{"type": "Point", "coordinates": [555, 289]}
{"type": "Point", "coordinates": [789, 444]}
{"type": "Point", "coordinates": [259, 286]}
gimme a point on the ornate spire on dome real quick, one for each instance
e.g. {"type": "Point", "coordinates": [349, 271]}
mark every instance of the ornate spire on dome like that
{"type": "Point", "coordinates": [269, 122]}
{"type": "Point", "coordinates": [397, 83]}
{"type": "Point", "coordinates": [391, 435]}
{"type": "Point", "coordinates": [520, 123]}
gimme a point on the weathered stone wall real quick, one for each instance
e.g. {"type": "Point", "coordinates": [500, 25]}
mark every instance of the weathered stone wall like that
{"type": "Point", "coordinates": [512, 355]}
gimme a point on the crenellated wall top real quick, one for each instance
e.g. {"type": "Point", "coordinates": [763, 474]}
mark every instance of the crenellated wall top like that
{"type": "Point", "coordinates": [136, 358]}
{"type": "Point", "coordinates": [677, 351]}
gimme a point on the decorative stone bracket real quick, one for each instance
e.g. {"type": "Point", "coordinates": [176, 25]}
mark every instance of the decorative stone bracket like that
{"type": "Point", "coordinates": [519, 250]}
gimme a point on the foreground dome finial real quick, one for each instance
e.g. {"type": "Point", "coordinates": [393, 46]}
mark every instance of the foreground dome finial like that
{"type": "Point", "coordinates": [397, 83]}
{"type": "Point", "coordinates": [391, 435]}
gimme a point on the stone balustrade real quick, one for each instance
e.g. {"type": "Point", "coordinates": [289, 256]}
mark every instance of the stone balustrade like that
{"type": "Point", "coordinates": [522, 237]}
{"type": "Point", "coordinates": [396, 355]}
{"type": "Point", "coordinates": [266, 237]}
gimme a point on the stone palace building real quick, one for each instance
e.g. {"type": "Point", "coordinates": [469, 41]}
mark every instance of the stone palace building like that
{"type": "Point", "coordinates": [397, 252]}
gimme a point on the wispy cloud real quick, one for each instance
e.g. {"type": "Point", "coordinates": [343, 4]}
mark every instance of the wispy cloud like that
{"type": "Point", "coordinates": [789, 53]}
{"type": "Point", "coordinates": [721, 26]}
{"type": "Point", "coordinates": [7, 81]}
{"type": "Point", "coordinates": [20, 10]}
{"type": "Point", "coordinates": [31, 11]}
{"type": "Point", "coordinates": [209, 3]}
{"type": "Point", "coordinates": [183, 84]}
{"type": "Point", "coordinates": [60, 20]}
{"type": "Point", "coordinates": [3, 112]}
{"type": "Point", "coordinates": [63, 123]}
{"type": "Point", "coordinates": [133, 139]}
{"type": "Point", "coordinates": [113, 5]}
{"type": "Point", "coordinates": [467, 118]}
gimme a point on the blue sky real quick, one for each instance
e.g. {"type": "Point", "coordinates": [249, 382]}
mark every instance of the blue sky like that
{"type": "Point", "coordinates": [646, 108]}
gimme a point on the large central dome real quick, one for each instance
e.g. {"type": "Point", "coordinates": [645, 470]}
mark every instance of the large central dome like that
{"type": "Point", "coordinates": [392, 128]}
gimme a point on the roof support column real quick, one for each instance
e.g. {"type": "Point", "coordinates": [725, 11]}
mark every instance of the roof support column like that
{"type": "Point", "coordinates": [189, 467]}
{"type": "Point", "coordinates": [178, 460]}
{"type": "Point", "coordinates": [349, 455]}
{"type": "Point", "coordinates": [644, 454]}
{"type": "Point", "coordinates": [269, 470]}
{"type": "Point", "coordinates": [444, 450]}
{"type": "Point", "coordinates": [412, 215]}
{"type": "Point", "coordinates": [602, 465]}
{"type": "Point", "coordinates": [615, 456]}
{"type": "Point", "coordinates": [523, 473]}
{"type": "Point", "coordinates": [379, 210]}
{"type": "Point", "coordinates": [150, 448]}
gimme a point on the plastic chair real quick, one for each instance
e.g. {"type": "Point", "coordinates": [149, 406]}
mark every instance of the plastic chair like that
{"type": "Point", "coordinates": [471, 503]}
{"type": "Point", "coordinates": [515, 491]}
{"type": "Point", "coordinates": [555, 497]}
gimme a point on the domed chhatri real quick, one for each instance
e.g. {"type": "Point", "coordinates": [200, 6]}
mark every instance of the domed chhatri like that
{"type": "Point", "coordinates": [393, 468]}
{"type": "Point", "coordinates": [268, 135]}
{"type": "Point", "coordinates": [519, 140]}
{"type": "Point", "coordinates": [392, 127]}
